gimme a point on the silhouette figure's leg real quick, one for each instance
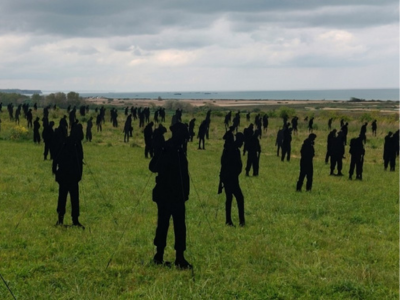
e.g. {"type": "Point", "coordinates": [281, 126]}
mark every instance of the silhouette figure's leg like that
{"type": "Point", "coordinates": [309, 178]}
{"type": "Point", "coordinates": [351, 170]}
{"type": "Point", "coordinates": [228, 204]}
{"type": "Point", "coordinates": [62, 198]}
{"type": "Point", "coordinates": [163, 217]}
{"type": "Point", "coordinates": [301, 179]}
{"type": "Point", "coordinates": [240, 203]}
{"type": "Point", "coordinates": [74, 194]}
{"type": "Point", "coordinates": [256, 165]}
{"type": "Point", "coordinates": [178, 215]}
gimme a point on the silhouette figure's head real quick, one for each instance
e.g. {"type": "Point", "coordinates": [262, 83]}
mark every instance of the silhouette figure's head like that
{"type": "Point", "coordinates": [162, 129]}
{"type": "Point", "coordinates": [77, 132]}
{"type": "Point", "coordinates": [239, 139]}
{"type": "Point", "coordinates": [312, 136]}
{"type": "Point", "coordinates": [180, 133]}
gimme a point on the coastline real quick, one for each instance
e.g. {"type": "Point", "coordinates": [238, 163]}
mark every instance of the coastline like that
{"type": "Point", "coordinates": [381, 106]}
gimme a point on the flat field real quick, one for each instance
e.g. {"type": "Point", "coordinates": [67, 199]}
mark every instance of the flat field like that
{"type": "Point", "coordinates": [340, 241]}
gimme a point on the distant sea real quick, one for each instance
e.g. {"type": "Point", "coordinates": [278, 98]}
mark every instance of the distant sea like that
{"type": "Point", "coordinates": [367, 94]}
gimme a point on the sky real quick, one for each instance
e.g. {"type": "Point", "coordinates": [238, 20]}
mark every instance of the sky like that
{"type": "Point", "coordinates": [203, 45]}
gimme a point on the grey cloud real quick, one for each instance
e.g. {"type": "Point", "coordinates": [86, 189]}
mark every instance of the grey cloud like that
{"type": "Point", "coordinates": [81, 50]}
{"type": "Point", "coordinates": [99, 18]}
{"type": "Point", "coordinates": [330, 17]}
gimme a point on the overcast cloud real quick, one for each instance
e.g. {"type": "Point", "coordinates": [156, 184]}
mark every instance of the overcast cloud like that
{"type": "Point", "coordinates": [180, 45]}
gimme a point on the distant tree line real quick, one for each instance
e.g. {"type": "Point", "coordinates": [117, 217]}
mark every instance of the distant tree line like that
{"type": "Point", "coordinates": [60, 99]}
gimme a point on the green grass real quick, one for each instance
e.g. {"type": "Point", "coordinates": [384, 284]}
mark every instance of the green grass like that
{"type": "Point", "coordinates": [341, 241]}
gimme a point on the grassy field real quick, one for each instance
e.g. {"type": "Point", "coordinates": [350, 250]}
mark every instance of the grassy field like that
{"type": "Point", "coordinates": [341, 241]}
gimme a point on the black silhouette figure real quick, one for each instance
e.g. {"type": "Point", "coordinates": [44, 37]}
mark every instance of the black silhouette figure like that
{"type": "Point", "coordinates": [295, 120]}
{"type": "Point", "coordinates": [170, 193]}
{"type": "Point", "coordinates": [45, 121]}
{"type": "Point", "coordinates": [99, 122]}
{"type": "Point", "coordinates": [178, 114]}
{"type": "Point", "coordinates": [63, 125]}
{"type": "Point", "coordinates": [258, 124]}
{"type": "Point", "coordinates": [10, 109]}
{"type": "Point", "coordinates": [89, 126]}
{"type": "Point", "coordinates": [155, 118]}
{"type": "Point", "coordinates": [208, 121]}
{"type": "Point", "coordinates": [229, 137]}
{"type": "Point", "coordinates": [227, 120]}
{"type": "Point", "coordinates": [310, 125]}
{"type": "Point", "coordinates": [162, 114]}
{"type": "Point", "coordinates": [48, 139]}
{"type": "Point", "coordinates": [72, 116]}
{"type": "Point", "coordinates": [236, 120]}
{"type": "Point", "coordinates": [134, 112]}
{"type": "Point", "coordinates": [363, 132]}
{"type": "Point", "coordinates": [114, 117]}
{"type": "Point", "coordinates": [141, 116]}
{"type": "Point", "coordinates": [29, 118]}
{"type": "Point", "coordinates": [330, 123]}
{"type": "Point", "coordinates": [191, 129]}
{"type": "Point", "coordinates": [146, 115]}
{"type": "Point", "coordinates": [253, 153]}
{"type": "Point", "coordinates": [247, 133]}
{"type": "Point", "coordinates": [25, 109]}
{"type": "Point", "coordinates": [82, 110]}
{"type": "Point", "coordinates": [374, 127]}
{"type": "Point", "coordinates": [330, 144]}
{"type": "Point", "coordinates": [337, 154]}
{"type": "Point", "coordinates": [389, 151]}
{"type": "Point", "coordinates": [158, 139]}
{"type": "Point", "coordinates": [127, 128]}
{"type": "Point", "coordinates": [286, 142]}
{"type": "Point", "coordinates": [279, 140]}
{"type": "Point", "coordinates": [306, 163]}
{"type": "Point", "coordinates": [36, 134]}
{"type": "Point", "coordinates": [248, 117]}
{"type": "Point", "coordinates": [357, 153]}
{"type": "Point", "coordinates": [345, 130]}
{"type": "Point", "coordinates": [148, 140]}
{"type": "Point", "coordinates": [67, 167]}
{"type": "Point", "coordinates": [265, 122]}
{"type": "Point", "coordinates": [201, 134]}
{"type": "Point", "coordinates": [231, 167]}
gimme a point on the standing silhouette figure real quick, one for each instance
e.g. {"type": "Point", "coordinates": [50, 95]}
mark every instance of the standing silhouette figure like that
{"type": "Point", "coordinates": [170, 193]}
{"type": "Point", "coordinates": [231, 167]}
{"type": "Point", "coordinates": [306, 163]}
{"type": "Point", "coordinates": [67, 167]}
